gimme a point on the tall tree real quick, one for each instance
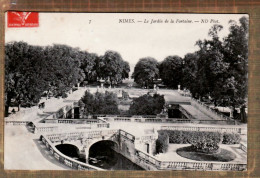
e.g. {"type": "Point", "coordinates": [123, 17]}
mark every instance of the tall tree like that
{"type": "Point", "coordinates": [88, 64]}
{"type": "Point", "coordinates": [219, 67]}
{"type": "Point", "coordinates": [171, 71]}
{"type": "Point", "coordinates": [24, 65]}
{"type": "Point", "coordinates": [113, 67]}
{"type": "Point", "coordinates": [145, 71]}
{"type": "Point", "coordinates": [190, 70]}
{"type": "Point", "coordinates": [31, 70]}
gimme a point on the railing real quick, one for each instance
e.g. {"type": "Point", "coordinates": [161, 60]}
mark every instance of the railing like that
{"type": "Point", "coordinates": [122, 119]}
{"type": "Point", "coordinates": [204, 166]}
{"type": "Point", "coordinates": [243, 147]}
{"type": "Point", "coordinates": [16, 122]}
{"type": "Point", "coordinates": [196, 121]}
{"type": "Point", "coordinates": [207, 129]}
{"type": "Point", "coordinates": [77, 121]}
{"type": "Point", "coordinates": [72, 163]}
{"type": "Point", "coordinates": [102, 125]}
{"type": "Point", "coordinates": [157, 120]}
{"type": "Point", "coordinates": [207, 110]}
{"type": "Point", "coordinates": [127, 135]}
{"type": "Point", "coordinates": [142, 159]}
{"type": "Point", "coordinates": [150, 161]}
{"type": "Point", "coordinates": [169, 120]}
{"type": "Point", "coordinates": [45, 129]}
{"type": "Point", "coordinates": [89, 134]}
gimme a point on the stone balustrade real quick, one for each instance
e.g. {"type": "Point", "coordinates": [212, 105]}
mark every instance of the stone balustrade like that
{"type": "Point", "coordinates": [206, 129]}
{"type": "Point", "coordinates": [15, 122]}
{"type": "Point", "coordinates": [70, 162]}
{"type": "Point", "coordinates": [153, 163]}
{"type": "Point", "coordinates": [169, 120]}
{"type": "Point", "coordinates": [243, 147]}
{"type": "Point", "coordinates": [141, 158]}
{"type": "Point", "coordinates": [127, 135]}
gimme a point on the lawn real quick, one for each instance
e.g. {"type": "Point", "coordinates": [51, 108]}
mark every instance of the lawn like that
{"type": "Point", "coordinates": [222, 155]}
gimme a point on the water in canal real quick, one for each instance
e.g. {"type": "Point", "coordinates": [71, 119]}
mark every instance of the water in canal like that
{"type": "Point", "coordinates": [102, 155]}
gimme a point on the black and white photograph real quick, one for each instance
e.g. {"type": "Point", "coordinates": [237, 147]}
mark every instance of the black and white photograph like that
{"type": "Point", "coordinates": [126, 91]}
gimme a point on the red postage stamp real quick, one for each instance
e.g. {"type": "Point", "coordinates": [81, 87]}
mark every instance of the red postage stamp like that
{"type": "Point", "coordinates": [22, 19]}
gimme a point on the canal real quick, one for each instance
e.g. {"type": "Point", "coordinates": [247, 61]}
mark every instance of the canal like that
{"type": "Point", "coordinates": [101, 155]}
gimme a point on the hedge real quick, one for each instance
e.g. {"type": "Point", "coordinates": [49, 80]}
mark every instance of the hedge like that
{"type": "Point", "coordinates": [162, 143]}
{"type": "Point", "coordinates": [231, 138]}
{"type": "Point", "coordinates": [206, 142]}
{"type": "Point", "coordinates": [186, 137]}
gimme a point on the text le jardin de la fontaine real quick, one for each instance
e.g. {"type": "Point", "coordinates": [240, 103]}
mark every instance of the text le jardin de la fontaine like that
{"type": "Point", "coordinates": [160, 21]}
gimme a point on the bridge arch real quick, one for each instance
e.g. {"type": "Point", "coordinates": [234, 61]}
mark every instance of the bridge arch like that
{"type": "Point", "coordinates": [102, 153]}
{"type": "Point", "coordinates": [69, 150]}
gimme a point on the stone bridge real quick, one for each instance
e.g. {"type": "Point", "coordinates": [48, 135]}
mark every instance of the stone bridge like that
{"type": "Point", "coordinates": [139, 150]}
{"type": "Point", "coordinates": [124, 142]}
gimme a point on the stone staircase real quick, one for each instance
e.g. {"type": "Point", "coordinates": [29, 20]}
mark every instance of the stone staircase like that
{"type": "Point", "coordinates": [193, 113]}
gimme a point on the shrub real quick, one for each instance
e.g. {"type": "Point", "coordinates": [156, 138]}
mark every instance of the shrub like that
{"type": "Point", "coordinates": [162, 143]}
{"type": "Point", "coordinates": [147, 105]}
{"type": "Point", "coordinates": [175, 136]}
{"type": "Point", "coordinates": [206, 142]}
{"type": "Point", "coordinates": [100, 103]}
{"type": "Point", "coordinates": [231, 138]}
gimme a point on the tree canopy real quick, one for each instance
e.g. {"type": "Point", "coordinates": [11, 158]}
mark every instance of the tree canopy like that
{"type": "Point", "coordinates": [113, 67]}
{"type": "Point", "coordinates": [219, 68]}
{"type": "Point", "coordinates": [145, 71]}
{"type": "Point", "coordinates": [100, 103]}
{"type": "Point", "coordinates": [31, 71]}
{"type": "Point", "coordinates": [147, 105]}
{"type": "Point", "coordinates": [171, 71]}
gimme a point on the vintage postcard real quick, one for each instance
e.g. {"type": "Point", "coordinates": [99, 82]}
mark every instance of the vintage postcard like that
{"type": "Point", "coordinates": [126, 91]}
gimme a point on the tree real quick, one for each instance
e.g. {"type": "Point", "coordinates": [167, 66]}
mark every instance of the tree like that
{"type": "Point", "coordinates": [63, 69]}
{"type": "Point", "coordinates": [145, 71]}
{"type": "Point", "coordinates": [32, 70]}
{"type": "Point", "coordinates": [236, 54]}
{"type": "Point", "coordinates": [113, 68]}
{"type": "Point", "coordinates": [24, 65]}
{"type": "Point", "coordinates": [190, 70]}
{"type": "Point", "coordinates": [219, 67]}
{"type": "Point", "coordinates": [171, 71]}
{"type": "Point", "coordinates": [147, 105]}
{"type": "Point", "coordinates": [88, 64]}
{"type": "Point", "coordinates": [100, 103]}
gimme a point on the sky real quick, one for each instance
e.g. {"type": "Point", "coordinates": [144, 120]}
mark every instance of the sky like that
{"type": "Point", "coordinates": [99, 32]}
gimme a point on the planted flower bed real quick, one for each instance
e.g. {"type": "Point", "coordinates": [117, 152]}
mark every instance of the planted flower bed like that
{"type": "Point", "coordinates": [204, 145]}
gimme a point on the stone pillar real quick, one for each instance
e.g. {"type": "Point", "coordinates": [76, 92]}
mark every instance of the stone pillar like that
{"type": "Point", "coordinates": [179, 88]}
